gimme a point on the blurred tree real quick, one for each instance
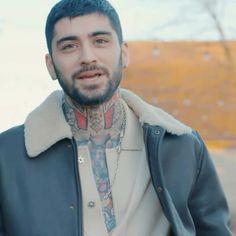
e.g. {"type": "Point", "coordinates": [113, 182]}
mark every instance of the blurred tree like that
{"type": "Point", "coordinates": [198, 12]}
{"type": "Point", "coordinates": [214, 9]}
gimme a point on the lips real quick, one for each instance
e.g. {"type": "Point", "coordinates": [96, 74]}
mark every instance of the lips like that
{"type": "Point", "coordinates": [90, 74]}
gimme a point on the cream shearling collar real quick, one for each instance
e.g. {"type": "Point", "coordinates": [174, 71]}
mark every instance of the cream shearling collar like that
{"type": "Point", "coordinates": [47, 125]}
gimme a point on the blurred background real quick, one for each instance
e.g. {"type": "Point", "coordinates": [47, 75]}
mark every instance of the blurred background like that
{"type": "Point", "coordinates": [183, 59]}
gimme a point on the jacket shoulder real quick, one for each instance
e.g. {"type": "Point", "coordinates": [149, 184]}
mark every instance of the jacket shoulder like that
{"type": "Point", "coordinates": [187, 140]}
{"type": "Point", "coordinates": [12, 131]}
{"type": "Point", "coordinates": [11, 137]}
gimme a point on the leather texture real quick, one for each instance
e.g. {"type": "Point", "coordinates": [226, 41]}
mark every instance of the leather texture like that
{"type": "Point", "coordinates": [42, 196]}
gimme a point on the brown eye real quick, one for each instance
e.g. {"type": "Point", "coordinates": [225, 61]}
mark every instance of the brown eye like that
{"type": "Point", "coordinates": [68, 47]}
{"type": "Point", "coordinates": [101, 42]}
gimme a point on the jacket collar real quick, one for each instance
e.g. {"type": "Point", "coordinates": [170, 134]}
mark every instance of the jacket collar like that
{"type": "Point", "coordinates": [47, 125]}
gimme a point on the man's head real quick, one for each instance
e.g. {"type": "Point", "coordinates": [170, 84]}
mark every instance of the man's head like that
{"type": "Point", "coordinates": [86, 50]}
{"type": "Point", "coordinates": [74, 8]}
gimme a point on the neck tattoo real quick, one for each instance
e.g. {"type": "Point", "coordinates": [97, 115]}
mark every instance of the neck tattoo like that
{"type": "Point", "coordinates": [99, 128]}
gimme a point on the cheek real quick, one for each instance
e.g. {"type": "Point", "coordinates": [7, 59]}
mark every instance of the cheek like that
{"type": "Point", "coordinates": [112, 58]}
{"type": "Point", "coordinates": [65, 66]}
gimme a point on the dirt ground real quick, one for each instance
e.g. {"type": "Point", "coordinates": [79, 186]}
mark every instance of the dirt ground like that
{"type": "Point", "coordinates": [225, 162]}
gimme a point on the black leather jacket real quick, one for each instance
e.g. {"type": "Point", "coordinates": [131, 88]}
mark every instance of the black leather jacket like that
{"type": "Point", "coordinates": [42, 196]}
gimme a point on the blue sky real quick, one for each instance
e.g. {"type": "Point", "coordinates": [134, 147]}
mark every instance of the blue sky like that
{"type": "Point", "coordinates": [23, 75]}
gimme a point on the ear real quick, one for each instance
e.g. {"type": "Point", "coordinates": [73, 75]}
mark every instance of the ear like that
{"type": "Point", "coordinates": [50, 66]}
{"type": "Point", "coordinates": [125, 54]}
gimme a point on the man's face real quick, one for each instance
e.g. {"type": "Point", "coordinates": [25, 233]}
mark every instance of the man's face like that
{"type": "Point", "coordinates": [87, 58]}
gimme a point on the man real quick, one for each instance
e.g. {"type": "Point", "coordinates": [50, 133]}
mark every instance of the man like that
{"type": "Point", "coordinates": [95, 160]}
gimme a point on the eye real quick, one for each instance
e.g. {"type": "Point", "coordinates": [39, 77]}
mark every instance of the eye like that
{"type": "Point", "coordinates": [101, 41]}
{"type": "Point", "coordinates": [69, 46]}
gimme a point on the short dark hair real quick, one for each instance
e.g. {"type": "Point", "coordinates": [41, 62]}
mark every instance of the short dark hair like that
{"type": "Point", "coordinates": [74, 8]}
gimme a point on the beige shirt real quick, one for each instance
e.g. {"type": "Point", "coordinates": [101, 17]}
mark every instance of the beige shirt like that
{"type": "Point", "coordinates": [136, 206]}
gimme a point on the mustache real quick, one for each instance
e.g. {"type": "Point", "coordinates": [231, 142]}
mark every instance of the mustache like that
{"type": "Point", "coordinates": [87, 68]}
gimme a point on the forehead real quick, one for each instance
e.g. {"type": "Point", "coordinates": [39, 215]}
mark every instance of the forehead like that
{"type": "Point", "coordinates": [82, 25]}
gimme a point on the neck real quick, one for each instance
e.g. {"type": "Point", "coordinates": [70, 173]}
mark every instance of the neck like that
{"type": "Point", "coordinates": [103, 121]}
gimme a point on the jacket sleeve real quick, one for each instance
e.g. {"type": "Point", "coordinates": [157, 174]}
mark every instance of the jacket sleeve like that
{"type": "Point", "coordinates": [208, 204]}
{"type": "Point", "coordinates": [2, 231]}
{"type": "Point", "coordinates": [1, 225]}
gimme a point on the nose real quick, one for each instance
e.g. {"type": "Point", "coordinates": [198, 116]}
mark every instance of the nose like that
{"type": "Point", "coordinates": [88, 55]}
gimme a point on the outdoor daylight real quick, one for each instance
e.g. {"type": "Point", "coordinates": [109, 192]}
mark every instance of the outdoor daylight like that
{"type": "Point", "coordinates": [182, 59]}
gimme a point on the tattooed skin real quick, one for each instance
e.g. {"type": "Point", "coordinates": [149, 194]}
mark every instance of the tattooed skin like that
{"type": "Point", "coordinates": [99, 128]}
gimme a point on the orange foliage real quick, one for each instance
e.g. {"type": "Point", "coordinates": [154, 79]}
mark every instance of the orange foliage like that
{"type": "Point", "coordinates": [191, 80]}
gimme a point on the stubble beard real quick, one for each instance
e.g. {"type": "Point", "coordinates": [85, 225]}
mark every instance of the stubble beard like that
{"type": "Point", "coordinates": [95, 98]}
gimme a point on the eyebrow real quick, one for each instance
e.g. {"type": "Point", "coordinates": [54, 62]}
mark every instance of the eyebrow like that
{"type": "Point", "coordinates": [97, 33]}
{"type": "Point", "coordinates": [73, 38]}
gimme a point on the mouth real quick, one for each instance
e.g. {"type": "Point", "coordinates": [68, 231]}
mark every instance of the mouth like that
{"type": "Point", "coordinates": [91, 74]}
